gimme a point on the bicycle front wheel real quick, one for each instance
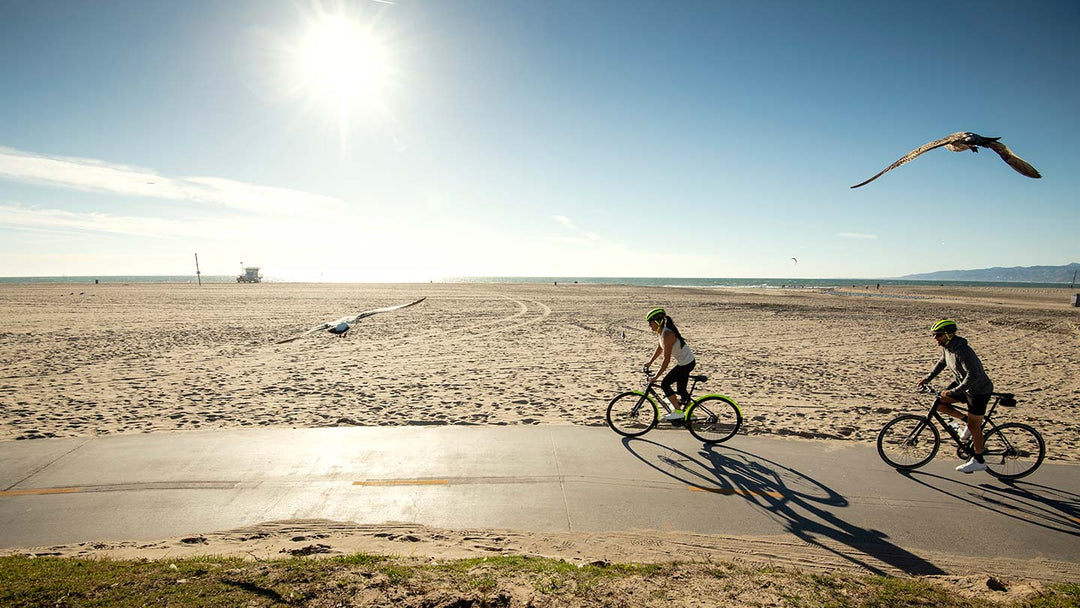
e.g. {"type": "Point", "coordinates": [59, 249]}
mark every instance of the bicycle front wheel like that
{"type": "Point", "coordinates": [631, 414]}
{"type": "Point", "coordinates": [713, 419]}
{"type": "Point", "coordinates": [1013, 450]}
{"type": "Point", "coordinates": [908, 442]}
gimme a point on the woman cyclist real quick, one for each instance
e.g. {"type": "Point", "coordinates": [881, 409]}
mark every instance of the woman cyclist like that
{"type": "Point", "coordinates": [972, 386]}
{"type": "Point", "coordinates": [672, 346]}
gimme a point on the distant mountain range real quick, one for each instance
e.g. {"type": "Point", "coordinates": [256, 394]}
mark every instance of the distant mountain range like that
{"type": "Point", "coordinates": [1015, 274]}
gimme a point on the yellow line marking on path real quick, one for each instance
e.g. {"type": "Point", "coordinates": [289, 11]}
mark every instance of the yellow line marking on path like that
{"type": "Point", "coordinates": [732, 491]}
{"type": "Point", "coordinates": [402, 482]}
{"type": "Point", "coordinates": [41, 491]}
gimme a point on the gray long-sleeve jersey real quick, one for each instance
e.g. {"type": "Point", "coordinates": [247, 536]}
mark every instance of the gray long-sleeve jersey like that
{"type": "Point", "coordinates": [965, 366]}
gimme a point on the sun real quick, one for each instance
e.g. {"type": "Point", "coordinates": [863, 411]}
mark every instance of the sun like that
{"type": "Point", "coordinates": [341, 66]}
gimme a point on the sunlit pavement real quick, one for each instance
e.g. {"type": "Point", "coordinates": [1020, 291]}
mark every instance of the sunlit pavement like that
{"type": "Point", "coordinates": [530, 478]}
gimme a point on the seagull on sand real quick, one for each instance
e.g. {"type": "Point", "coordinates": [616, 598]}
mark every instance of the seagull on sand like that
{"type": "Point", "coordinates": [344, 324]}
{"type": "Point", "coordinates": [965, 140]}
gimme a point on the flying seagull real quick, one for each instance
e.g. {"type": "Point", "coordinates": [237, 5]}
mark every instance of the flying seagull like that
{"type": "Point", "coordinates": [965, 140]}
{"type": "Point", "coordinates": [344, 324]}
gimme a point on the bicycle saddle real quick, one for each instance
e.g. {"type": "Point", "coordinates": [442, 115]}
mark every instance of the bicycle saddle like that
{"type": "Point", "coordinates": [699, 378]}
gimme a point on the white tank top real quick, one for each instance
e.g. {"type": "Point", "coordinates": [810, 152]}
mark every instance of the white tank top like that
{"type": "Point", "coordinates": [679, 351]}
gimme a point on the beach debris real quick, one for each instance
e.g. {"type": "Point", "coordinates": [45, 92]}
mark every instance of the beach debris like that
{"type": "Point", "coordinates": [959, 142]}
{"type": "Point", "coordinates": [341, 326]}
{"type": "Point", "coordinates": [308, 550]}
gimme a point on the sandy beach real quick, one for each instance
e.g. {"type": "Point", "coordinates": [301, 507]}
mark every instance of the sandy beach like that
{"type": "Point", "coordinates": [82, 360]}
{"type": "Point", "coordinates": [79, 360]}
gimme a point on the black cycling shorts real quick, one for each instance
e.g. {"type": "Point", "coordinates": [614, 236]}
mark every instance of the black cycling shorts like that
{"type": "Point", "coordinates": [976, 403]}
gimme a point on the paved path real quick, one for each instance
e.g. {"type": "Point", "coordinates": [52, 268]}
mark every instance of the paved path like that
{"type": "Point", "coordinates": [529, 478]}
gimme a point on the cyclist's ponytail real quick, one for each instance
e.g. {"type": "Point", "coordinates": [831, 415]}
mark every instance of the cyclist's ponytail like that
{"type": "Point", "coordinates": [669, 324]}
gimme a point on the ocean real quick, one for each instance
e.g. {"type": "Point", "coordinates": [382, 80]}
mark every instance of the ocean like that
{"type": "Point", "coordinates": [720, 282]}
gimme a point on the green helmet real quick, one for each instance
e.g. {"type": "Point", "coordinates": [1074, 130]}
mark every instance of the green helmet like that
{"type": "Point", "coordinates": [945, 325]}
{"type": "Point", "coordinates": [655, 314]}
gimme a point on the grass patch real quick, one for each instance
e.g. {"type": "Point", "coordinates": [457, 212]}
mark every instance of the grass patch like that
{"type": "Point", "coordinates": [373, 580]}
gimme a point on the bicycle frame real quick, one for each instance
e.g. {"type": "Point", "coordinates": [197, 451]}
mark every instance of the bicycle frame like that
{"type": "Point", "coordinates": [657, 400]}
{"type": "Point", "coordinates": [934, 414]}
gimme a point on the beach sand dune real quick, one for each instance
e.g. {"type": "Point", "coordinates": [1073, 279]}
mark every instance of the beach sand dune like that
{"type": "Point", "coordinates": [79, 360]}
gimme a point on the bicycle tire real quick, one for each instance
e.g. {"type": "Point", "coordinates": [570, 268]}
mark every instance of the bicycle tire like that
{"type": "Point", "coordinates": [1013, 450]}
{"type": "Point", "coordinates": [904, 443]}
{"type": "Point", "coordinates": [713, 419]}
{"type": "Point", "coordinates": [632, 414]}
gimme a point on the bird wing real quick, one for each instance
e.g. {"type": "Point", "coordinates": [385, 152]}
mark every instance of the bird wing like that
{"type": "Point", "coordinates": [321, 327]}
{"type": "Point", "coordinates": [349, 320]}
{"type": "Point", "coordinates": [1014, 161]}
{"type": "Point", "coordinates": [368, 313]}
{"type": "Point", "coordinates": [937, 143]}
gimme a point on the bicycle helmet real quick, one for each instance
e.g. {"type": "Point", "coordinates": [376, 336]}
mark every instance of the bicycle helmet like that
{"type": "Point", "coordinates": [655, 315]}
{"type": "Point", "coordinates": [945, 325]}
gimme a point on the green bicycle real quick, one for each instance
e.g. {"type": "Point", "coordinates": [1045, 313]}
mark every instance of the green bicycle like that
{"type": "Point", "coordinates": [711, 418]}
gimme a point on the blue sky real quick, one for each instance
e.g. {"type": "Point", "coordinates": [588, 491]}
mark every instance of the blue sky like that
{"type": "Point", "coordinates": [522, 138]}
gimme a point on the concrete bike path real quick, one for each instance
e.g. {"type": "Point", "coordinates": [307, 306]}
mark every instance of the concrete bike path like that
{"type": "Point", "coordinates": [528, 478]}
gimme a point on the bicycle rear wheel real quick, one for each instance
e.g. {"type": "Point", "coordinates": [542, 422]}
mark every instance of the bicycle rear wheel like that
{"type": "Point", "coordinates": [713, 419]}
{"type": "Point", "coordinates": [908, 442]}
{"type": "Point", "coordinates": [1013, 450]}
{"type": "Point", "coordinates": [631, 414]}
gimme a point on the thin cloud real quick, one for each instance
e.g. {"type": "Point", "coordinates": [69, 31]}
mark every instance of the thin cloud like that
{"type": "Point", "coordinates": [856, 235]}
{"type": "Point", "coordinates": [581, 237]}
{"type": "Point", "coordinates": [59, 221]}
{"type": "Point", "coordinates": [97, 176]}
{"type": "Point", "coordinates": [306, 232]}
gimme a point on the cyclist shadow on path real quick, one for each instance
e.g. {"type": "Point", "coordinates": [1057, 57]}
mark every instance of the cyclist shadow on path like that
{"type": "Point", "coordinates": [804, 505]}
{"type": "Point", "coordinates": [1032, 503]}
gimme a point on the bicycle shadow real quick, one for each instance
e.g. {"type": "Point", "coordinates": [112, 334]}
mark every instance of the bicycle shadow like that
{"type": "Point", "coordinates": [802, 504]}
{"type": "Point", "coordinates": [1032, 503]}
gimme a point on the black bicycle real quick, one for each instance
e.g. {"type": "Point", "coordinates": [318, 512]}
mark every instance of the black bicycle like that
{"type": "Point", "coordinates": [1011, 450]}
{"type": "Point", "coordinates": [710, 418]}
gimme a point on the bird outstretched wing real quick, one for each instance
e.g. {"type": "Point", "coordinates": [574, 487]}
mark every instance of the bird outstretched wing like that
{"type": "Point", "coordinates": [910, 156]}
{"type": "Point", "coordinates": [349, 320]}
{"type": "Point", "coordinates": [322, 327]}
{"type": "Point", "coordinates": [368, 313]}
{"type": "Point", "coordinates": [1014, 161]}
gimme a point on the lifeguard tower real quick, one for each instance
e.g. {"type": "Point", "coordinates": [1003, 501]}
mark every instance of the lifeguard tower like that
{"type": "Point", "coordinates": [251, 275]}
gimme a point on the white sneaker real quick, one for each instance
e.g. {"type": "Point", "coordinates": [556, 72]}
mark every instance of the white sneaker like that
{"type": "Point", "coordinates": [673, 416]}
{"type": "Point", "coordinates": [966, 434]}
{"type": "Point", "coordinates": [971, 466]}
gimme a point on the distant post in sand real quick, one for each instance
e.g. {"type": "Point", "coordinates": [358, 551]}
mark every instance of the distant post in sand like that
{"type": "Point", "coordinates": [198, 275]}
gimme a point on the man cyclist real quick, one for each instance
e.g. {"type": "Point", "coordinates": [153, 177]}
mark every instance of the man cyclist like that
{"type": "Point", "coordinates": [671, 345]}
{"type": "Point", "coordinates": [971, 386]}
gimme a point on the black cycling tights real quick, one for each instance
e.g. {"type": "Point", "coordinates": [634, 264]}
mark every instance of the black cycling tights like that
{"type": "Point", "coordinates": [678, 376]}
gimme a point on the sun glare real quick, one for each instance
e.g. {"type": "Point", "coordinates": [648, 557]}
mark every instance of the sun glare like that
{"type": "Point", "coordinates": [342, 66]}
